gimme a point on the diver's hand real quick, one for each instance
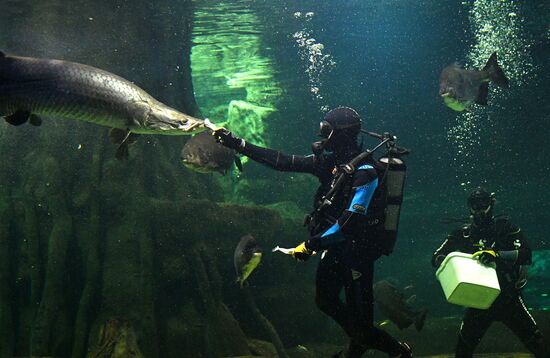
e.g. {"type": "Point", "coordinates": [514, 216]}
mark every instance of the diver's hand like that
{"type": "Point", "coordinates": [227, 139]}
{"type": "Point", "coordinates": [301, 252]}
{"type": "Point", "coordinates": [486, 257]}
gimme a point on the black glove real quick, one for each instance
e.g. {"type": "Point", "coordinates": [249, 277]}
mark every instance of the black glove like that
{"type": "Point", "coordinates": [227, 139]}
{"type": "Point", "coordinates": [486, 257]}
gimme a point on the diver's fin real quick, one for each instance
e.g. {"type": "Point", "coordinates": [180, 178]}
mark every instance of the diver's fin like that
{"type": "Point", "coordinates": [18, 118]}
{"type": "Point", "coordinates": [495, 72]}
{"type": "Point", "coordinates": [238, 163]}
{"type": "Point", "coordinates": [35, 120]}
{"type": "Point", "coordinates": [483, 94]}
{"type": "Point", "coordinates": [419, 322]}
{"type": "Point", "coordinates": [2, 54]}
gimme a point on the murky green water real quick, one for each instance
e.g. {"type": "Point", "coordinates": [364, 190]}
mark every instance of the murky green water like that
{"type": "Point", "coordinates": [96, 252]}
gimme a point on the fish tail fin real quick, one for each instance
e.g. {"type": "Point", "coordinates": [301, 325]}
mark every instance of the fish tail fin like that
{"type": "Point", "coordinates": [419, 322]}
{"type": "Point", "coordinates": [483, 94]}
{"type": "Point", "coordinates": [495, 72]}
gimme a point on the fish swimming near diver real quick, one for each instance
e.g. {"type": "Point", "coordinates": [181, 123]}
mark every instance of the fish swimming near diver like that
{"type": "Point", "coordinates": [460, 88]}
{"type": "Point", "coordinates": [33, 87]}
{"type": "Point", "coordinates": [396, 308]}
{"type": "Point", "coordinates": [203, 154]}
{"type": "Point", "coordinates": [246, 258]}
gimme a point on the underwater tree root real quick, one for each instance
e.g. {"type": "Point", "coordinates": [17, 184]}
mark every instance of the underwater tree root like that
{"type": "Point", "coordinates": [222, 333]}
{"type": "Point", "coordinates": [117, 339]}
{"type": "Point", "coordinates": [33, 251]}
{"type": "Point", "coordinates": [58, 241]}
{"type": "Point", "coordinates": [264, 322]}
{"type": "Point", "coordinates": [6, 316]}
{"type": "Point", "coordinates": [90, 238]}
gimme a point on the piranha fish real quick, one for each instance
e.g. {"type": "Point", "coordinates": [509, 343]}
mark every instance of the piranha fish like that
{"type": "Point", "coordinates": [246, 258]}
{"type": "Point", "coordinates": [461, 88]}
{"type": "Point", "coordinates": [203, 154]}
{"type": "Point", "coordinates": [395, 307]}
{"type": "Point", "coordinates": [32, 87]}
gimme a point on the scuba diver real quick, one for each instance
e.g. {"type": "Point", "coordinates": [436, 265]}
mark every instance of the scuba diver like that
{"type": "Point", "coordinates": [494, 241]}
{"type": "Point", "coordinates": [348, 222]}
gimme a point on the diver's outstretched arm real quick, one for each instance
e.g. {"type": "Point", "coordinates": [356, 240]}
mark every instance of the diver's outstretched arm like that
{"type": "Point", "coordinates": [270, 157]}
{"type": "Point", "coordinates": [279, 161]}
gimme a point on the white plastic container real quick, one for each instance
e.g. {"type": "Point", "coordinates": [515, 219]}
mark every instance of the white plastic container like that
{"type": "Point", "coordinates": [467, 282]}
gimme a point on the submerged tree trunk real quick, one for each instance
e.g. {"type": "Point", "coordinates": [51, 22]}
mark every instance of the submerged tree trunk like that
{"type": "Point", "coordinates": [264, 323]}
{"type": "Point", "coordinates": [90, 238]}
{"type": "Point", "coordinates": [6, 295]}
{"type": "Point", "coordinates": [51, 305]}
{"type": "Point", "coordinates": [222, 334]}
{"type": "Point", "coordinates": [117, 339]}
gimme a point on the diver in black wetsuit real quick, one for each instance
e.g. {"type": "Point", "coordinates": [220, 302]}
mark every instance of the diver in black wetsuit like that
{"type": "Point", "coordinates": [348, 229]}
{"type": "Point", "coordinates": [494, 241]}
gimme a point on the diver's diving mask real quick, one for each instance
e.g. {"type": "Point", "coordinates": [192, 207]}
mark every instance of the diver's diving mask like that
{"type": "Point", "coordinates": [336, 133]}
{"type": "Point", "coordinates": [325, 132]}
{"type": "Point", "coordinates": [325, 129]}
{"type": "Point", "coordinates": [481, 206]}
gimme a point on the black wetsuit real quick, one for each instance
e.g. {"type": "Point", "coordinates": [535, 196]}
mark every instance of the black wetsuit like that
{"type": "Point", "coordinates": [514, 257]}
{"type": "Point", "coordinates": [350, 230]}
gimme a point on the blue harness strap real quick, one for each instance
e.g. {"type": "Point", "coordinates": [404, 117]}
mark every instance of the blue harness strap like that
{"type": "Point", "coordinates": [359, 204]}
{"type": "Point", "coordinates": [363, 194]}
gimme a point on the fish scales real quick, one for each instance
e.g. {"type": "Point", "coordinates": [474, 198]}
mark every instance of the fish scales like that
{"type": "Point", "coordinates": [53, 87]}
{"type": "Point", "coordinates": [77, 91]}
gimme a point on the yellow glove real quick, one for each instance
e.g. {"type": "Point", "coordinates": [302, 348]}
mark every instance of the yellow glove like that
{"type": "Point", "coordinates": [301, 252]}
{"type": "Point", "coordinates": [486, 257]}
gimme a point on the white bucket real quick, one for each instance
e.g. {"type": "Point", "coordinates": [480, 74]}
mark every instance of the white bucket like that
{"type": "Point", "coordinates": [467, 282]}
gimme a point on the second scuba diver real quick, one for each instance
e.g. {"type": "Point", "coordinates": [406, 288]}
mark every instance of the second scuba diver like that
{"type": "Point", "coordinates": [349, 226]}
{"type": "Point", "coordinates": [494, 241]}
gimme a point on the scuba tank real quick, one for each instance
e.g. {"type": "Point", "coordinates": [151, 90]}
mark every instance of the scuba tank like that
{"type": "Point", "coordinates": [393, 183]}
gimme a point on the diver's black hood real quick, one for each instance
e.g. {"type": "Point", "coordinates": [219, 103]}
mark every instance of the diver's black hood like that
{"type": "Point", "coordinates": [480, 203]}
{"type": "Point", "coordinates": [339, 130]}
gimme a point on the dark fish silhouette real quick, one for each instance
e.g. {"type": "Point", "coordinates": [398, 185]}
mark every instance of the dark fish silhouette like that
{"type": "Point", "coordinates": [30, 87]}
{"type": "Point", "coordinates": [203, 154]}
{"type": "Point", "coordinates": [396, 308]}
{"type": "Point", "coordinates": [246, 258]}
{"type": "Point", "coordinates": [460, 88]}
